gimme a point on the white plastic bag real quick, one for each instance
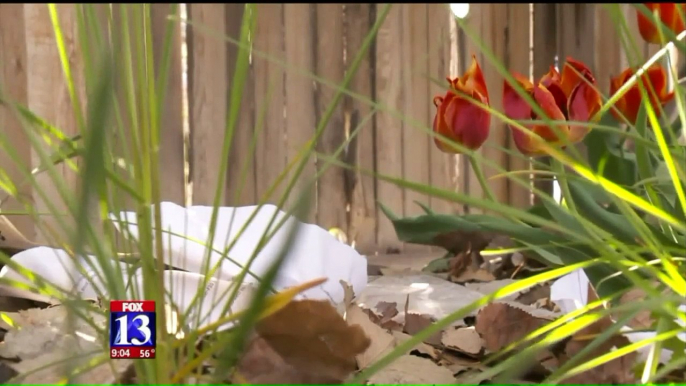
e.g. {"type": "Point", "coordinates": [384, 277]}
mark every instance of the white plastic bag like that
{"type": "Point", "coordinates": [314, 253]}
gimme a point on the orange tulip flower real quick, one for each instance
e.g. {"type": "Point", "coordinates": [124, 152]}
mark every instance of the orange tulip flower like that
{"type": "Point", "coordinates": [655, 85]}
{"type": "Point", "coordinates": [457, 117]}
{"type": "Point", "coordinates": [668, 13]}
{"type": "Point", "coordinates": [571, 96]}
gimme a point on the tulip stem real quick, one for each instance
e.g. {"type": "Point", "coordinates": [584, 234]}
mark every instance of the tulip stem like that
{"type": "Point", "coordinates": [561, 177]}
{"type": "Point", "coordinates": [476, 166]}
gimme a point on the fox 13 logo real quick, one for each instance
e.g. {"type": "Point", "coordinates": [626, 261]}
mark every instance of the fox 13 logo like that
{"type": "Point", "coordinates": [132, 329]}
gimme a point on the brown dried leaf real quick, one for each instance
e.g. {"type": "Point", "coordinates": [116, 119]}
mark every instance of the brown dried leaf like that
{"type": "Point", "coordinates": [501, 324]}
{"type": "Point", "coordinates": [381, 340]}
{"type": "Point", "coordinates": [412, 370]}
{"type": "Point", "coordinates": [415, 323]}
{"type": "Point", "coordinates": [465, 340]}
{"type": "Point", "coordinates": [305, 342]}
{"type": "Point", "coordinates": [387, 311]}
{"type": "Point", "coordinates": [470, 274]}
{"type": "Point", "coordinates": [421, 347]}
{"type": "Point", "coordinates": [642, 319]}
{"type": "Point", "coordinates": [617, 371]}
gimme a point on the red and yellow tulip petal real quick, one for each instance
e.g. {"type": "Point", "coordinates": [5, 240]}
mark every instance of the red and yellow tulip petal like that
{"type": "Point", "coordinates": [473, 79]}
{"type": "Point", "coordinates": [617, 82]}
{"type": "Point", "coordinates": [573, 73]}
{"type": "Point", "coordinates": [472, 125]}
{"type": "Point", "coordinates": [546, 100]}
{"type": "Point", "coordinates": [440, 125]}
{"type": "Point", "coordinates": [584, 103]}
{"type": "Point", "coordinates": [552, 77]}
{"type": "Point", "coordinates": [657, 76]}
{"type": "Point", "coordinates": [668, 14]}
{"type": "Point", "coordinates": [515, 106]}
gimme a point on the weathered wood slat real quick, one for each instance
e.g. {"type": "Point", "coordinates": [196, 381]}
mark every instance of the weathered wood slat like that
{"type": "Point", "coordinates": [240, 189]}
{"type": "Point", "coordinates": [270, 155]}
{"type": "Point", "coordinates": [416, 102]}
{"type": "Point", "coordinates": [171, 126]}
{"type": "Point", "coordinates": [48, 97]}
{"type": "Point", "coordinates": [208, 91]}
{"type": "Point", "coordinates": [332, 193]}
{"type": "Point", "coordinates": [389, 129]}
{"type": "Point", "coordinates": [361, 150]}
{"type": "Point", "coordinates": [13, 78]}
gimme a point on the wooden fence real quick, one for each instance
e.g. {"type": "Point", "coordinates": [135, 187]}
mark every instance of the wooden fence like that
{"type": "Point", "coordinates": [283, 105]}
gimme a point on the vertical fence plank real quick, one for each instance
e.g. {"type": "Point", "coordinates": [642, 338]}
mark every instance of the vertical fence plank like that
{"type": "Point", "coordinates": [361, 150]}
{"type": "Point", "coordinates": [333, 195]}
{"type": "Point", "coordinates": [494, 32]}
{"type": "Point", "coordinates": [300, 100]}
{"type": "Point", "coordinates": [608, 49]}
{"type": "Point", "coordinates": [545, 52]}
{"type": "Point", "coordinates": [388, 128]}
{"type": "Point", "coordinates": [240, 188]}
{"type": "Point", "coordinates": [48, 97]}
{"type": "Point", "coordinates": [13, 87]}
{"type": "Point", "coordinates": [475, 24]}
{"type": "Point", "coordinates": [440, 45]}
{"type": "Point", "coordinates": [270, 155]}
{"type": "Point", "coordinates": [416, 101]}
{"type": "Point", "coordinates": [171, 123]}
{"type": "Point", "coordinates": [518, 58]}
{"type": "Point", "coordinates": [576, 32]}
{"type": "Point", "coordinates": [208, 85]}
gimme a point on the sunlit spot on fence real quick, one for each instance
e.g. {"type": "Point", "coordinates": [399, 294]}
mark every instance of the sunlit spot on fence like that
{"type": "Point", "coordinates": [460, 10]}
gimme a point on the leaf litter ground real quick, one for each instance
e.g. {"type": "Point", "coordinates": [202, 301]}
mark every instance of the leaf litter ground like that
{"type": "Point", "coordinates": [310, 342]}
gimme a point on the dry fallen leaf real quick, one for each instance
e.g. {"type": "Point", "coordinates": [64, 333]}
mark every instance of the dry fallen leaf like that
{"type": "Point", "coordinates": [465, 340]}
{"type": "Point", "coordinates": [412, 370]}
{"type": "Point", "coordinates": [470, 274]}
{"type": "Point", "coordinates": [305, 342]}
{"type": "Point", "coordinates": [415, 323]}
{"type": "Point", "coordinates": [383, 315]}
{"type": "Point", "coordinates": [501, 324]}
{"type": "Point", "coordinates": [421, 347]}
{"type": "Point", "coordinates": [617, 371]}
{"type": "Point", "coordinates": [381, 341]}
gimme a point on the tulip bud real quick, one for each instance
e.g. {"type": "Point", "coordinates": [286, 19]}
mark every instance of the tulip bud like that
{"type": "Point", "coordinates": [570, 96]}
{"type": "Point", "coordinates": [670, 14]}
{"type": "Point", "coordinates": [655, 85]}
{"type": "Point", "coordinates": [457, 117]}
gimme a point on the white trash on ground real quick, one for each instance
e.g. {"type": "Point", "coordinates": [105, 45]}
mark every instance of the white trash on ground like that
{"type": "Point", "coordinates": [314, 254]}
{"type": "Point", "coordinates": [570, 293]}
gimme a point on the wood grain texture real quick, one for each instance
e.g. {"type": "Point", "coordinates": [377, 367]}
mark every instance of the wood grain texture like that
{"type": "Point", "coordinates": [389, 129]}
{"type": "Point", "coordinates": [13, 79]}
{"type": "Point", "coordinates": [240, 189]}
{"type": "Point", "coordinates": [415, 90]}
{"type": "Point", "coordinates": [208, 89]}
{"type": "Point", "coordinates": [300, 100]}
{"type": "Point", "coordinates": [361, 150]}
{"type": "Point", "coordinates": [270, 155]}
{"type": "Point", "coordinates": [48, 97]}
{"type": "Point", "coordinates": [332, 194]}
{"type": "Point", "coordinates": [171, 126]}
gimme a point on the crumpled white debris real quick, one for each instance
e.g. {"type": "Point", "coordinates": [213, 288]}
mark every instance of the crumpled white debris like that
{"type": "Point", "coordinates": [570, 293]}
{"type": "Point", "coordinates": [314, 254]}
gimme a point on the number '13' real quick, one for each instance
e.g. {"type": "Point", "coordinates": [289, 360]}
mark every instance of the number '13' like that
{"type": "Point", "coordinates": [124, 331]}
